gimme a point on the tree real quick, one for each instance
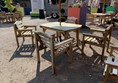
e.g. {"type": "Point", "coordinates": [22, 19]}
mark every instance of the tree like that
{"type": "Point", "coordinates": [8, 4]}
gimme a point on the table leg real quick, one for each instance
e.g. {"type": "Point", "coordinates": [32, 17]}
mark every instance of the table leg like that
{"type": "Point", "coordinates": [92, 20]}
{"type": "Point", "coordinates": [77, 37]}
{"type": "Point", "coordinates": [44, 30]}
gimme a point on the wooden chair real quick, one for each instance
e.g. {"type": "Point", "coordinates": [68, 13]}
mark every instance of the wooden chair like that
{"type": "Point", "coordinates": [23, 31]}
{"type": "Point", "coordinates": [94, 39]}
{"type": "Point", "coordinates": [43, 40]}
{"type": "Point", "coordinates": [109, 18]}
{"type": "Point", "coordinates": [17, 16]}
{"type": "Point", "coordinates": [111, 67]}
{"type": "Point", "coordinates": [3, 17]}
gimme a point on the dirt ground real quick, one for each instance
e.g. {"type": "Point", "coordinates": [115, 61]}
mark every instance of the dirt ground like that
{"type": "Point", "coordinates": [19, 65]}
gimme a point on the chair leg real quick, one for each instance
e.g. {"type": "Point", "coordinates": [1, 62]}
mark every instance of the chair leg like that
{"type": "Point", "coordinates": [23, 39]}
{"type": "Point", "coordinates": [17, 41]}
{"type": "Point", "coordinates": [106, 75]}
{"type": "Point", "coordinates": [69, 53]}
{"type": "Point", "coordinates": [108, 46]}
{"type": "Point", "coordinates": [38, 55]}
{"type": "Point", "coordinates": [102, 53]}
{"type": "Point", "coordinates": [32, 40]}
{"type": "Point", "coordinates": [53, 64]}
{"type": "Point", "coordinates": [83, 44]}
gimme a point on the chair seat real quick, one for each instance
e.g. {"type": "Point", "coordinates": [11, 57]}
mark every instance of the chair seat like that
{"type": "Point", "coordinates": [92, 40]}
{"type": "Point", "coordinates": [25, 33]}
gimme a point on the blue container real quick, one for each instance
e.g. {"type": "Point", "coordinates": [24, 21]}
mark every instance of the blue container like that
{"type": "Point", "coordinates": [27, 10]}
{"type": "Point", "coordinates": [4, 9]}
{"type": "Point", "coordinates": [83, 12]}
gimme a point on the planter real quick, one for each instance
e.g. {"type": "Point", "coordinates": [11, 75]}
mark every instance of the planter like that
{"type": "Point", "coordinates": [74, 12]}
{"type": "Point", "coordinates": [79, 13]}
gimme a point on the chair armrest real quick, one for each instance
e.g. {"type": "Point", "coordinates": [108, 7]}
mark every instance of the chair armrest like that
{"type": "Point", "coordinates": [26, 26]}
{"type": "Point", "coordinates": [42, 33]}
{"type": "Point", "coordinates": [70, 40]}
{"type": "Point", "coordinates": [25, 30]}
{"type": "Point", "coordinates": [92, 35]}
{"type": "Point", "coordinates": [97, 30]}
{"type": "Point", "coordinates": [114, 47]}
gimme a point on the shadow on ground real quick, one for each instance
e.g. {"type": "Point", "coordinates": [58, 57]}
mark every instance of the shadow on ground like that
{"type": "Point", "coordinates": [81, 68]}
{"type": "Point", "coordinates": [24, 51]}
{"type": "Point", "coordinates": [6, 25]}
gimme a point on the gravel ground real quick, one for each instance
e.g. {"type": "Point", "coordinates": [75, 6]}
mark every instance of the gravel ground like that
{"type": "Point", "coordinates": [20, 66]}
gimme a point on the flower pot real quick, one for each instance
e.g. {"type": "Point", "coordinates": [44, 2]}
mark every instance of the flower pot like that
{"type": "Point", "coordinates": [74, 12]}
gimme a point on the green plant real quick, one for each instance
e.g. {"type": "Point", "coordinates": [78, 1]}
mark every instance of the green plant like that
{"type": "Point", "coordinates": [8, 4]}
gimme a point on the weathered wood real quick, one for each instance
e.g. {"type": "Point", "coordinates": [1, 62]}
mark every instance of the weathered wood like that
{"type": "Point", "coordinates": [64, 29]}
{"type": "Point", "coordinates": [97, 40]}
{"type": "Point", "coordinates": [111, 70]}
{"type": "Point", "coordinates": [21, 31]}
{"type": "Point", "coordinates": [56, 49]}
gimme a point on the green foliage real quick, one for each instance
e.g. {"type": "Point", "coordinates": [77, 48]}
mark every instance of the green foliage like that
{"type": "Point", "coordinates": [8, 4]}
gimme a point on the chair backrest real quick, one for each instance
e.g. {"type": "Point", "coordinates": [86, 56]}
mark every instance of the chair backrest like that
{"type": "Point", "coordinates": [17, 15]}
{"type": "Point", "coordinates": [46, 39]}
{"type": "Point", "coordinates": [2, 15]}
{"type": "Point", "coordinates": [18, 25]}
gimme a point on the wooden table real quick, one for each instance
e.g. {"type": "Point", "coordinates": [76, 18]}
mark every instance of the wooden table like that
{"type": "Point", "coordinates": [65, 27]}
{"type": "Point", "coordinates": [111, 68]}
{"type": "Point", "coordinates": [102, 17]}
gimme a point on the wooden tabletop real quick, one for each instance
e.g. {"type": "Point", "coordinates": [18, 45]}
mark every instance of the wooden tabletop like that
{"type": "Point", "coordinates": [101, 14]}
{"type": "Point", "coordinates": [64, 26]}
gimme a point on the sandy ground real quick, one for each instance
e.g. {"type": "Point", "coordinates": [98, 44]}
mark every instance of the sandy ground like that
{"type": "Point", "coordinates": [19, 65]}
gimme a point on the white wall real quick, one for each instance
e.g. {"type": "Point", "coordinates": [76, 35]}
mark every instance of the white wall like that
{"type": "Point", "coordinates": [37, 4]}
